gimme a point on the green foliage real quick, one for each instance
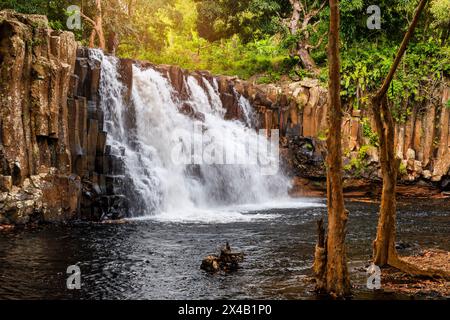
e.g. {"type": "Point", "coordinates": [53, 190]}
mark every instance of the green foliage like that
{"type": "Point", "coordinates": [322, 135]}
{"type": "Point", "coordinates": [359, 163]}
{"type": "Point", "coordinates": [230, 56]}
{"type": "Point", "coordinates": [395, 17]}
{"type": "Point", "coordinates": [149, 27]}
{"type": "Point", "coordinates": [171, 33]}
{"type": "Point", "coordinates": [366, 65]}
{"type": "Point", "coordinates": [402, 169]}
{"type": "Point", "coordinates": [249, 38]}
{"type": "Point", "coordinates": [440, 10]}
{"type": "Point", "coordinates": [250, 19]}
{"type": "Point", "coordinates": [368, 132]}
{"type": "Point", "coordinates": [55, 10]}
{"type": "Point", "coordinates": [30, 6]}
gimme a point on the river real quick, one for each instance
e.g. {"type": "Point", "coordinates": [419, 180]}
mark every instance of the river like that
{"type": "Point", "coordinates": [155, 258]}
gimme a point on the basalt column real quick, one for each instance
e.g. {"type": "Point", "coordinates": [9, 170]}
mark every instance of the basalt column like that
{"type": "Point", "coordinates": [101, 172]}
{"type": "Point", "coordinates": [54, 162]}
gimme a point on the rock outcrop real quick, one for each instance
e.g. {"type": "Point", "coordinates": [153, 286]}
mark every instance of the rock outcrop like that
{"type": "Point", "coordinates": [299, 111]}
{"type": "Point", "coordinates": [53, 165]}
{"type": "Point", "coordinates": [35, 158]}
{"type": "Point", "coordinates": [101, 172]}
{"type": "Point", "coordinates": [227, 261]}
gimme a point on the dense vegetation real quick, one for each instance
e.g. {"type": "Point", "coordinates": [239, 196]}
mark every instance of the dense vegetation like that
{"type": "Point", "coordinates": [251, 38]}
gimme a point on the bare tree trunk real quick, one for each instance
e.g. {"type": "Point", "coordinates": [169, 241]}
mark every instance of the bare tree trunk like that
{"type": "Point", "coordinates": [92, 38]}
{"type": "Point", "coordinates": [384, 252]}
{"type": "Point", "coordinates": [384, 245]}
{"type": "Point", "coordinates": [113, 43]}
{"type": "Point", "coordinates": [99, 25]}
{"type": "Point", "coordinates": [306, 59]}
{"type": "Point", "coordinates": [296, 10]}
{"type": "Point", "coordinates": [302, 50]}
{"type": "Point", "coordinates": [335, 279]}
{"type": "Point", "coordinates": [130, 7]}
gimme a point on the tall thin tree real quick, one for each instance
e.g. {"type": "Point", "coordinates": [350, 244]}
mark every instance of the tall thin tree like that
{"type": "Point", "coordinates": [384, 245]}
{"type": "Point", "coordinates": [384, 251]}
{"type": "Point", "coordinates": [331, 258]}
{"type": "Point", "coordinates": [300, 25]}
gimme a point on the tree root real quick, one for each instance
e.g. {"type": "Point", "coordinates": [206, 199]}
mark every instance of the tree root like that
{"type": "Point", "coordinates": [413, 270]}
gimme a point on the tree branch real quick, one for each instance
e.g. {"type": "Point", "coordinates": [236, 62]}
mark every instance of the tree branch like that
{"type": "Point", "coordinates": [313, 47]}
{"type": "Point", "coordinates": [88, 19]}
{"type": "Point", "coordinates": [311, 15]}
{"type": "Point", "coordinates": [297, 7]}
{"type": "Point", "coordinates": [317, 11]}
{"type": "Point", "coordinates": [400, 52]}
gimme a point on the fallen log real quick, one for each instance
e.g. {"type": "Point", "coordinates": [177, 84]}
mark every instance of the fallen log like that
{"type": "Point", "coordinates": [227, 261]}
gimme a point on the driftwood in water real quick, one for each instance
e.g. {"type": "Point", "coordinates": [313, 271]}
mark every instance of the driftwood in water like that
{"type": "Point", "coordinates": [227, 260]}
{"type": "Point", "coordinates": [320, 258]}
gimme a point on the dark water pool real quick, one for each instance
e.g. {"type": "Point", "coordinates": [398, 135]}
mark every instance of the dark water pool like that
{"type": "Point", "coordinates": [160, 260]}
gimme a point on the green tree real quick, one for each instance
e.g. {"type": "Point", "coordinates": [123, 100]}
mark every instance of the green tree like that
{"type": "Point", "coordinates": [440, 9]}
{"type": "Point", "coordinates": [250, 19]}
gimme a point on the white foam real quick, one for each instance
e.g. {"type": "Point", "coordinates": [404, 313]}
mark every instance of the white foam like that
{"type": "Point", "coordinates": [280, 204]}
{"type": "Point", "coordinates": [231, 214]}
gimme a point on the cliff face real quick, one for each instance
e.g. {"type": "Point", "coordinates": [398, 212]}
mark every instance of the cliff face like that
{"type": "Point", "coordinates": [299, 109]}
{"type": "Point", "coordinates": [55, 164]}
{"type": "Point", "coordinates": [35, 165]}
{"type": "Point", "coordinates": [51, 134]}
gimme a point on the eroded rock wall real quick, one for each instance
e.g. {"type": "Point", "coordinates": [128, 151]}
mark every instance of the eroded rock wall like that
{"type": "Point", "coordinates": [54, 162]}
{"type": "Point", "coordinates": [299, 111]}
{"type": "Point", "coordinates": [35, 159]}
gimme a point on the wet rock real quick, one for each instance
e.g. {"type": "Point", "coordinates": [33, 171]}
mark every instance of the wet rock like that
{"type": "Point", "coordinates": [45, 197]}
{"type": "Point", "coordinates": [5, 183]}
{"type": "Point", "coordinates": [35, 79]}
{"type": "Point", "coordinates": [304, 157]}
{"type": "Point", "coordinates": [211, 264]}
{"type": "Point", "coordinates": [427, 174]}
{"type": "Point", "coordinates": [126, 76]}
{"type": "Point", "coordinates": [306, 117]}
{"type": "Point", "coordinates": [445, 184]}
{"type": "Point", "coordinates": [187, 109]}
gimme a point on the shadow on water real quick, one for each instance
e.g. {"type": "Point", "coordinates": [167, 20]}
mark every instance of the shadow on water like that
{"type": "Point", "coordinates": [160, 260]}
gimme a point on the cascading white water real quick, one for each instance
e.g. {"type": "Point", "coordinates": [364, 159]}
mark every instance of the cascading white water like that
{"type": "Point", "coordinates": [154, 136]}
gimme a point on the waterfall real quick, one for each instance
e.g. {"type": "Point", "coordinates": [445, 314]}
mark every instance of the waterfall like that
{"type": "Point", "coordinates": [160, 144]}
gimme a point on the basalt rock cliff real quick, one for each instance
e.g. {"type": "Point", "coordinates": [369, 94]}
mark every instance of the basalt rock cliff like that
{"type": "Point", "coordinates": [299, 111]}
{"type": "Point", "coordinates": [55, 164]}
